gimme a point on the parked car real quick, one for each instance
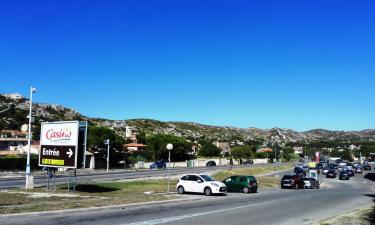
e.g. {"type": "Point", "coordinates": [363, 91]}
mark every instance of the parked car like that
{"type": "Point", "coordinates": [200, 184]}
{"type": "Point", "coordinates": [311, 183]}
{"type": "Point", "coordinates": [331, 174]}
{"type": "Point", "coordinates": [211, 163]}
{"type": "Point", "coordinates": [319, 166]}
{"type": "Point", "coordinates": [245, 184]}
{"type": "Point", "coordinates": [158, 165]}
{"type": "Point", "coordinates": [367, 167]}
{"type": "Point", "coordinates": [292, 181]}
{"type": "Point", "coordinates": [248, 162]}
{"type": "Point", "coordinates": [344, 175]}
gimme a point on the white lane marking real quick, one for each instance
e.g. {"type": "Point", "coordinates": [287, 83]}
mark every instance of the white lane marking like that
{"type": "Point", "coordinates": [176, 218]}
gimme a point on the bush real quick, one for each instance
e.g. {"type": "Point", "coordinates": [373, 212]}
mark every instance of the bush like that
{"type": "Point", "coordinates": [18, 163]}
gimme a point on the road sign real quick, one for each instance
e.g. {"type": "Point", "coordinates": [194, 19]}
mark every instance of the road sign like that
{"type": "Point", "coordinates": [62, 144]}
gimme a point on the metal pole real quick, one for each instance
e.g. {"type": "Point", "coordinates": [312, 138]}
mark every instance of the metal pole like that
{"type": "Point", "coordinates": [169, 170]}
{"type": "Point", "coordinates": [108, 158]}
{"type": "Point", "coordinates": [29, 139]}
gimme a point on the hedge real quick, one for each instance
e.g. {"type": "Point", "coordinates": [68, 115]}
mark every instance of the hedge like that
{"type": "Point", "coordinates": [17, 163]}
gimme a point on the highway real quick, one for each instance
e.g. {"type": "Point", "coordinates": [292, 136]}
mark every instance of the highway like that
{"type": "Point", "coordinates": [269, 206]}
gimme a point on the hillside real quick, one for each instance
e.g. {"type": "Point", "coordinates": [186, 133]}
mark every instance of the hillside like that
{"type": "Point", "coordinates": [15, 117]}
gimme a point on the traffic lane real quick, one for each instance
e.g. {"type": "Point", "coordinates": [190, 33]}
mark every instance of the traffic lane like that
{"type": "Point", "coordinates": [288, 206]}
{"type": "Point", "coordinates": [110, 176]}
{"type": "Point", "coordinates": [282, 207]}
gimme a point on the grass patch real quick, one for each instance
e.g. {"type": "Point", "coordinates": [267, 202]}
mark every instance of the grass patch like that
{"type": "Point", "coordinates": [250, 171]}
{"type": "Point", "coordinates": [86, 195]}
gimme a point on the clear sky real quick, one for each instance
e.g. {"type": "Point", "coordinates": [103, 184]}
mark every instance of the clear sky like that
{"type": "Point", "coordinates": [291, 64]}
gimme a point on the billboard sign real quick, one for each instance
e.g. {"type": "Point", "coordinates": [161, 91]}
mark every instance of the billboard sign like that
{"type": "Point", "coordinates": [317, 157]}
{"type": "Point", "coordinates": [59, 144]}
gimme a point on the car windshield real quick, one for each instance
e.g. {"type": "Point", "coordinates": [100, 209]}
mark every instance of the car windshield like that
{"type": "Point", "coordinates": [207, 178]}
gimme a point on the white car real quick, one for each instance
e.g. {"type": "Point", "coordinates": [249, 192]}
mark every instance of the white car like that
{"type": "Point", "coordinates": [200, 184]}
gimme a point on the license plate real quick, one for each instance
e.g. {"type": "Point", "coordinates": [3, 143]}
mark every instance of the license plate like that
{"type": "Point", "coordinates": [287, 185]}
{"type": "Point", "coordinates": [223, 189]}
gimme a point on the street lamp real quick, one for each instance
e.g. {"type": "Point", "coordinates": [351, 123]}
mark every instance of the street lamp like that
{"type": "Point", "coordinates": [32, 90]}
{"type": "Point", "coordinates": [107, 142]}
{"type": "Point", "coordinates": [169, 148]}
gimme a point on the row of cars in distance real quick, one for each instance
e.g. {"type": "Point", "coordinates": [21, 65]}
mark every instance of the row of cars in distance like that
{"type": "Point", "coordinates": [345, 169]}
{"type": "Point", "coordinates": [207, 185]}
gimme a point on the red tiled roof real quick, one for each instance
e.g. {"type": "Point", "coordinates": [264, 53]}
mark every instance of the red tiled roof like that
{"type": "Point", "coordinates": [132, 145]}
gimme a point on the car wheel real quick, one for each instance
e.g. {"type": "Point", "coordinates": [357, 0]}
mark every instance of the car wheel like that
{"type": "Point", "coordinates": [180, 190]}
{"type": "Point", "coordinates": [245, 190]}
{"type": "Point", "coordinates": [207, 191]}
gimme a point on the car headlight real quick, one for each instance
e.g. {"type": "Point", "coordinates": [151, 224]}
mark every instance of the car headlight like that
{"type": "Point", "coordinates": [215, 185]}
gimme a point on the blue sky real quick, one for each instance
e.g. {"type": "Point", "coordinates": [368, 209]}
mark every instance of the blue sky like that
{"type": "Point", "coordinates": [292, 64]}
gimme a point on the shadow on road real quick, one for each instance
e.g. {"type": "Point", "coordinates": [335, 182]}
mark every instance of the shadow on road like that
{"type": "Point", "coordinates": [92, 188]}
{"type": "Point", "coordinates": [370, 176]}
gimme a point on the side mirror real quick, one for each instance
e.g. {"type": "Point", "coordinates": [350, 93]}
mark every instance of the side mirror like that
{"type": "Point", "coordinates": [199, 181]}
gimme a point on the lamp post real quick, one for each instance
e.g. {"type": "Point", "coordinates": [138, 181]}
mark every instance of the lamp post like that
{"type": "Point", "coordinates": [169, 148]}
{"type": "Point", "coordinates": [106, 142]}
{"type": "Point", "coordinates": [32, 90]}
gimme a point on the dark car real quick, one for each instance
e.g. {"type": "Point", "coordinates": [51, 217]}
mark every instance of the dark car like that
{"type": "Point", "coordinates": [350, 172]}
{"type": "Point", "coordinates": [366, 167]}
{"type": "Point", "coordinates": [245, 184]}
{"type": "Point", "coordinates": [331, 174]}
{"type": "Point", "coordinates": [158, 165]}
{"type": "Point", "coordinates": [211, 163]}
{"type": "Point", "coordinates": [319, 166]}
{"type": "Point", "coordinates": [311, 183]}
{"type": "Point", "coordinates": [248, 162]}
{"type": "Point", "coordinates": [344, 175]}
{"type": "Point", "coordinates": [292, 181]}
{"type": "Point", "coordinates": [299, 171]}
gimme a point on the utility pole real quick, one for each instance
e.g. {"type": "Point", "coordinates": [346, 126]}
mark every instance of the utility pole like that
{"type": "Point", "coordinates": [106, 142]}
{"type": "Point", "coordinates": [32, 90]}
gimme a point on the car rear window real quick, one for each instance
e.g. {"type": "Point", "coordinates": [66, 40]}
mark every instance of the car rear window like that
{"type": "Point", "coordinates": [288, 177]}
{"type": "Point", "coordinates": [251, 178]}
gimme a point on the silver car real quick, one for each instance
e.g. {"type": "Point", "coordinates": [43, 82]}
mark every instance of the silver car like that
{"type": "Point", "coordinates": [311, 183]}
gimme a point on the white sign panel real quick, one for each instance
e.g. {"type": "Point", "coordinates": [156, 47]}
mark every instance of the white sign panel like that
{"type": "Point", "coordinates": [59, 144]}
{"type": "Point", "coordinates": [62, 134]}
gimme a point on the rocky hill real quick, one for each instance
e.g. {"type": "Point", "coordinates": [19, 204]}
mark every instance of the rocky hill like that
{"type": "Point", "coordinates": [16, 116]}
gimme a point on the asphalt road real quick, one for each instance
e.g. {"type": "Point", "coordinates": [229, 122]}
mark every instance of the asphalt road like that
{"type": "Point", "coordinates": [6, 183]}
{"type": "Point", "coordinates": [269, 206]}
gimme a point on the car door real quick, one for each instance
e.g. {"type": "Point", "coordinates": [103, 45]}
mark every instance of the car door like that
{"type": "Point", "coordinates": [230, 182]}
{"type": "Point", "coordinates": [242, 182]}
{"type": "Point", "coordinates": [197, 184]}
{"type": "Point", "coordinates": [188, 183]}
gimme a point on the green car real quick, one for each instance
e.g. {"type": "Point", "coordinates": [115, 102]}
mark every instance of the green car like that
{"type": "Point", "coordinates": [245, 184]}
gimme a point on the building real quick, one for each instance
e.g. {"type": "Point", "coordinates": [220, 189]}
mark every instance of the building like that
{"type": "Point", "coordinates": [224, 146]}
{"type": "Point", "coordinates": [13, 141]}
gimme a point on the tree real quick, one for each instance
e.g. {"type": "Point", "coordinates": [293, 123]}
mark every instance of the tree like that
{"type": "Point", "coordinates": [156, 147]}
{"type": "Point", "coordinates": [209, 150]}
{"type": "Point", "coordinates": [95, 142]}
{"type": "Point", "coordinates": [242, 152]}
